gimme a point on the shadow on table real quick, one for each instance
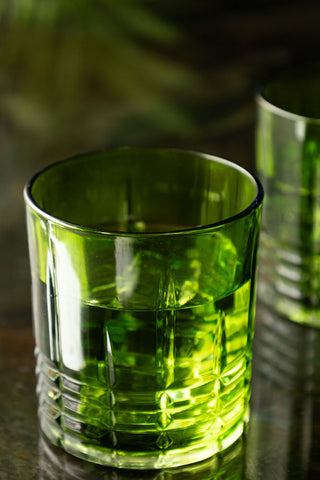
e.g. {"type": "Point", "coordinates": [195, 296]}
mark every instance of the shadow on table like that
{"type": "Point", "coordinates": [284, 434]}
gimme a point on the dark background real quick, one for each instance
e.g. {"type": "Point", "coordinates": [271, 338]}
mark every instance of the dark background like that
{"type": "Point", "coordinates": [81, 75]}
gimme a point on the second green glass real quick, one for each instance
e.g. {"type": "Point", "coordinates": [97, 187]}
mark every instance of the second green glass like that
{"type": "Point", "coordinates": [288, 160]}
{"type": "Point", "coordinates": [143, 278]}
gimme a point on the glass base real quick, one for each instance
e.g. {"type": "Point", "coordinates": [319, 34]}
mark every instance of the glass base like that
{"type": "Point", "coordinates": [136, 460]}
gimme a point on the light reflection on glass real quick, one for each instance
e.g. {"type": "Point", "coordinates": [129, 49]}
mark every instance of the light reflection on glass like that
{"type": "Point", "coordinates": [69, 312]}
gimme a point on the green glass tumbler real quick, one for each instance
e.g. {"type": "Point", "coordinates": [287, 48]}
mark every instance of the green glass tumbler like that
{"type": "Point", "coordinates": [143, 280]}
{"type": "Point", "coordinates": [288, 164]}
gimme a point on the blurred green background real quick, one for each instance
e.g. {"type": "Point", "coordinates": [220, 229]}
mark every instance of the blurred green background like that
{"type": "Point", "coordinates": [81, 75]}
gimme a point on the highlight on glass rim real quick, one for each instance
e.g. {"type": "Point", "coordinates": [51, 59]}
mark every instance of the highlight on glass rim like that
{"type": "Point", "coordinates": [143, 266]}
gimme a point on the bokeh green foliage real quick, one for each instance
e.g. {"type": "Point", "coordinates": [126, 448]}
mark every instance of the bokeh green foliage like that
{"type": "Point", "coordinates": [94, 72]}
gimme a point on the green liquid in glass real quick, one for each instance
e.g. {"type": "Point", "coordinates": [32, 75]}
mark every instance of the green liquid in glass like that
{"type": "Point", "coordinates": [161, 385]}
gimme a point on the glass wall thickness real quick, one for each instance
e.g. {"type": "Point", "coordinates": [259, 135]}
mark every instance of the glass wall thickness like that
{"type": "Point", "coordinates": [143, 281]}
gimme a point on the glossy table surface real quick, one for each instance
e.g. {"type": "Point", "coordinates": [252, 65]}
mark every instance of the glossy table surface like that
{"type": "Point", "coordinates": [282, 439]}
{"type": "Point", "coordinates": [170, 73]}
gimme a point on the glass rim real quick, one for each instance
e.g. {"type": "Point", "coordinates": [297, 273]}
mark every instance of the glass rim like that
{"type": "Point", "coordinates": [32, 204]}
{"type": "Point", "coordinates": [282, 112]}
{"type": "Point", "coordinates": [271, 74]}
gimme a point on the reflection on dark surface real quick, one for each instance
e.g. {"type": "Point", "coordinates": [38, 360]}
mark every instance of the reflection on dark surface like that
{"type": "Point", "coordinates": [54, 464]}
{"type": "Point", "coordinates": [284, 440]}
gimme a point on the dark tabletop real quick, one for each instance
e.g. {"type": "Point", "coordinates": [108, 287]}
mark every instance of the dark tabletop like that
{"type": "Point", "coordinates": [81, 76]}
